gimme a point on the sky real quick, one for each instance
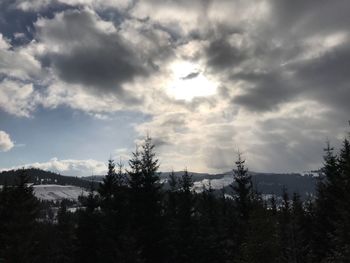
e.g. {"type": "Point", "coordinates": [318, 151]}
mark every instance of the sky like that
{"type": "Point", "coordinates": [82, 81]}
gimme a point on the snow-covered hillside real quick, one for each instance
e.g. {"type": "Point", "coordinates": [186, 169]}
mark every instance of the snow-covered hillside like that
{"type": "Point", "coordinates": [226, 180]}
{"type": "Point", "coordinates": [53, 192]}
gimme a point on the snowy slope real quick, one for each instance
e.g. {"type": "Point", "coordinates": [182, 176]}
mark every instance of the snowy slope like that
{"type": "Point", "coordinates": [53, 192]}
{"type": "Point", "coordinates": [226, 180]}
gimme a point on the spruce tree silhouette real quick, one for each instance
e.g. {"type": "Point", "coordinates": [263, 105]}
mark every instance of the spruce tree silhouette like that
{"type": "Point", "coordinates": [18, 212]}
{"type": "Point", "coordinates": [148, 225]}
{"type": "Point", "coordinates": [243, 188]}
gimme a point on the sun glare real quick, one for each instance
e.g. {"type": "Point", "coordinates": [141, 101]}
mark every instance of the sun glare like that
{"type": "Point", "coordinates": [189, 82]}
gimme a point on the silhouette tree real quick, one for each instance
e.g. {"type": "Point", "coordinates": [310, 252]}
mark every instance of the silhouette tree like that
{"type": "Point", "coordinates": [19, 209]}
{"type": "Point", "coordinates": [259, 243]}
{"type": "Point", "coordinates": [328, 190]}
{"type": "Point", "coordinates": [171, 215]}
{"type": "Point", "coordinates": [145, 203]}
{"type": "Point", "coordinates": [341, 236]}
{"type": "Point", "coordinates": [243, 188]}
{"type": "Point", "coordinates": [108, 186]}
{"type": "Point", "coordinates": [185, 219]}
{"type": "Point", "coordinates": [88, 230]}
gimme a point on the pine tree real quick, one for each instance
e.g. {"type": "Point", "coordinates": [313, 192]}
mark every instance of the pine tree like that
{"type": "Point", "coordinates": [243, 188]}
{"type": "Point", "coordinates": [243, 196]}
{"type": "Point", "coordinates": [146, 203]}
{"type": "Point", "coordinates": [341, 237]}
{"type": "Point", "coordinates": [328, 191]}
{"type": "Point", "coordinates": [88, 229]}
{"type": "Point", "coordinates": [113, 220]}
{"type": "Point", "coordinates": [19, 210]}
{"type": "Point", "coordinates": [259, 242]}
{"type": "Point", "coordinates": [173, 181]}
{"type": "Point", "coordinates": [209, 238]}
{"type": "Point", "coordinates": [66, 234]}
{"type": "Point", "coordinates": [185, 220]}
{"type": "Point", "coordinates": [135, 171]}
{"type": "Point", "coordinates": [299, 238]}
{"type": "Point", "coordinates": [108, 186]}
{"type": "Point", "coordinates": [284, 231]}
{"type": "Point", "coordinates": [171, 216]}
{"type": "Point", "coordinates": [121, 180]}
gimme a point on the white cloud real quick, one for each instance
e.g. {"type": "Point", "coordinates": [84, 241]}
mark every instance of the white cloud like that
{"type": "Point", "coordinates": [17, 98]}
{"type": "Point", "coordinates": [69, 167]}
{"type": "Point", "coordinates": [6, 143]}
{"type": "Point", "coordinates": [17, 62]}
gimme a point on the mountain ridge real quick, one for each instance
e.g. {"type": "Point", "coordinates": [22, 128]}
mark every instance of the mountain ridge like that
{"type": "Point", "coordinates": [264, 183]}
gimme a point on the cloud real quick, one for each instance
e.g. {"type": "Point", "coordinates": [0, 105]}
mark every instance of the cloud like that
{"type": "Point", "coordinates": [6, 143]}
{"type": "Point", "coordinates": [83, 49]}
{"type": "Point", "coordinates": [222, 55]}
{"type": "Point", "coordinates": [326, 78]}
{"type": "Point", "coordinates": [265, 91]}
{"type": "Point", "coordinates": [17, 63]}
{"type": "Point", "coordinates": [17, 98]}
{"type": "Point", "coordinates": [191, 76]}
{"type": "Point", "coordinates": [69, 167]}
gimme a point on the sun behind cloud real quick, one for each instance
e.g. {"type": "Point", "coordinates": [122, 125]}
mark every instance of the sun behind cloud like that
{"type": "Point", "coordinates": [189, 82]}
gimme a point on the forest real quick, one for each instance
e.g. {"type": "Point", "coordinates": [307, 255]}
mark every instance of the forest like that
{"type": "Point", "coordinates": [130, 217]}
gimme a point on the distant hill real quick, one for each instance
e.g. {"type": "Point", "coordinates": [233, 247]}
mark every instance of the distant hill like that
{"type": "Point", "coordinates": [265, 183]}
{"type": "Point", "coordinates": [38, 177]}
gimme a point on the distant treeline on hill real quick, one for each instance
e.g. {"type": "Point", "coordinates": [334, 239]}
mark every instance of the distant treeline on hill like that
{"type": "Point", "coordinates": [264, 183]}
{"type": "Point", "coordinates": [38, 176]}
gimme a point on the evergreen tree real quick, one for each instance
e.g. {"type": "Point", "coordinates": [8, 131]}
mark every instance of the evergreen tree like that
{"type": "Point", "coordinates": [299, 231]}
{"type": "Point", "coordinates": [19, 209]}
{"type": "Point", "coordinates": [260, 242]}
{"type": "Point", "coordinates": [87, 232]}
{"type": "Point", "coordinates": [209, 239]}
{"type": "Point", "coordinates": [121, 180]}
{"type": "Point", "coordinates": [113, 221]}
{"type": "Point", "coordinates": [229, 227]}
{"type": "Point", "coordinates": [65, 234]}
{"type": "Point", "coordinates": [145, 201]}
{"type": "Point", "coordinates": [328, 191]}
{"type": "Point", "coordinates": [108, 186]}
{"type": "Point", "coordinates": [185, 219]}
{"type": "Point", "coordinates": [341, 236]}
{"type": "Point", "coordinates": [173, 182]}
{"type": "Point", "coordinates": [284, 228]}
{"type": "Point", "coordinates": [109, 249]}
{"type": "Point", "coordinates": [243, 188]}
{"type": "Point", "coordinates": [171, 215]}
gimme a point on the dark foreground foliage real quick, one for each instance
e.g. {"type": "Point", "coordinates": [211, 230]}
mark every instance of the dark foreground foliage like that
{"type": "Point", "coordinates": [130, 218]}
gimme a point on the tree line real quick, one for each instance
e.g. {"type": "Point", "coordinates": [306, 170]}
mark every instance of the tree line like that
{"type": "Point", "coordinates": [131, 218]}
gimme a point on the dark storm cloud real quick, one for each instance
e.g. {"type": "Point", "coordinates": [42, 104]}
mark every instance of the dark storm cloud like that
{"type": "Point", "coordinates": [92, 57]}
{"type": "Point", "coordinates": [267, 91]}
{"type": "Point", "coordinates": [327, 78]}
{"type": "Point", "coordinates": [280, 37]}
{"type": "Point", "coordinates": [222, 55]}
{"type": "Point", "coordinates": [106, 66]}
